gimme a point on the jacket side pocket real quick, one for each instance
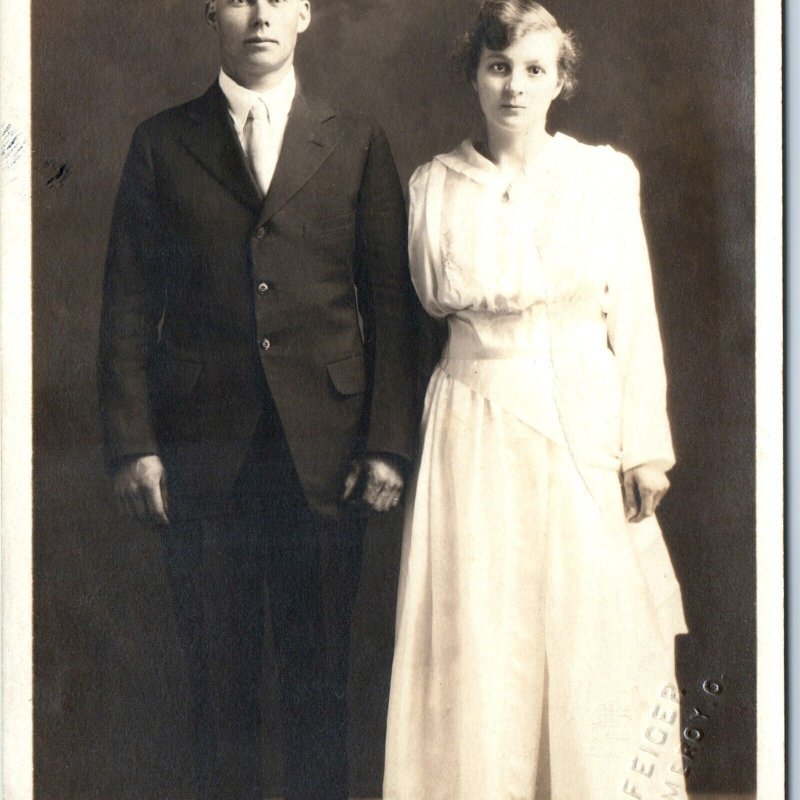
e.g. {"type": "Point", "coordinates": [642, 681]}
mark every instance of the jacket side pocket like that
{"type": "Point", "coordinates": [348, 376]}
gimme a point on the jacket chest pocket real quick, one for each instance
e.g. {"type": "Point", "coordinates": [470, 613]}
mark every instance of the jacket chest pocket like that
{"type": "Point", "coordinates": [340, 226]}
{"type": "Point", "coordinates": [332, 240]}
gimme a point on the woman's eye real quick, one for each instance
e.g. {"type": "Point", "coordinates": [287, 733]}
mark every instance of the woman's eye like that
{"type": "Point", "coordinates": [535, 70]}
{"type": "Point", "coordinates": [497, 67]}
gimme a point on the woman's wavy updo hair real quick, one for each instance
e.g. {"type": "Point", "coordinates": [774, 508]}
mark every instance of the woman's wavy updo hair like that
{"type": "Point", "coordinates": [502, 22]}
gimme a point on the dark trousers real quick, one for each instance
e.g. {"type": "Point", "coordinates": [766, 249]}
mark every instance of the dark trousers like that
{"type": "Point", "coordinates": [218, 567]}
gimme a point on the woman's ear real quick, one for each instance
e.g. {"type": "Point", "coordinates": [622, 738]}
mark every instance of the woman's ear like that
{"type": "Point", "coordinates": [211, 13]}
{"type": "Point", "coordinates": [473, 81]}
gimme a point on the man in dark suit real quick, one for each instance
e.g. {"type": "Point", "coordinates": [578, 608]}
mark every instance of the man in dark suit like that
{"type": "Point", "coordinates": [255, 386]}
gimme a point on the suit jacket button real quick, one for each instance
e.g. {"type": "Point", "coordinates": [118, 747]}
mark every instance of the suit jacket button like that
{"type": "Point", "coordinates": [261, 232]}
{"type": "Point", "coordinates": [263, 288]}
{"type": "Point", "coordinates": [265, 344]}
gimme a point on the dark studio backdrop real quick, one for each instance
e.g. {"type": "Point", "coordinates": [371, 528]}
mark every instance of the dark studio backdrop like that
{"type": "Point", "coordinates": [669, 83]}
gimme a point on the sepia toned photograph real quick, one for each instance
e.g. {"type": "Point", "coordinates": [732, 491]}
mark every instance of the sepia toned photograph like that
{"type": "Point", "coordinates": [394, 424]}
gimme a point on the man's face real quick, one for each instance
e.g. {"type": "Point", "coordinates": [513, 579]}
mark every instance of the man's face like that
{"type": "Point", "coordinates": [257, 37]}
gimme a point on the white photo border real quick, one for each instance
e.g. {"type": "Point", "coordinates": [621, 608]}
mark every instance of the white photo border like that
{"type": "Point", "coordinates": [16, 400]}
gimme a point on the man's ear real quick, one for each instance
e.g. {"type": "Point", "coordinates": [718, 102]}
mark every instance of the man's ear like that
{"type": "Point", "coordinates": [211, 13]}
{"type": "Point", "coordinates": [305, 16]}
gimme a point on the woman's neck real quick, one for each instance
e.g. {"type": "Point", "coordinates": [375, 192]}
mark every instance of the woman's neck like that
{"type": "Point", "coordinates": [516, 152]}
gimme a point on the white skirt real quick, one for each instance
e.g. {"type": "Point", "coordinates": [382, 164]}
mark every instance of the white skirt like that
{"type": "Point", "coordinates": [522, 587]}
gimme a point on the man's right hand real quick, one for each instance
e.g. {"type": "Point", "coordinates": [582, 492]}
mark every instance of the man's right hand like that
{"type": "Point", "coordinates": [139, 487]}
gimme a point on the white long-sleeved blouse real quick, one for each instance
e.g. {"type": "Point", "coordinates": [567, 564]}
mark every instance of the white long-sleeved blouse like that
{"type": "Point", "coordinates": [547, 289]}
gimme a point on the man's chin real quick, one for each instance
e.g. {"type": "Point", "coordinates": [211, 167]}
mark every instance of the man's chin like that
{"type": "Point", "coordinates": [265, 61]}
{"type": "Point", "coordinates": [266, 53]}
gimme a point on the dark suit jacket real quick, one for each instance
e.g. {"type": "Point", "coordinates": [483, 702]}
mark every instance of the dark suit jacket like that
{"type": "Point", "coordinates": [211, 295]}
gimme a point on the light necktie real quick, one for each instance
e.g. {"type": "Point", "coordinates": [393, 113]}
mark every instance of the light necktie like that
{"type": "Point", "coordinates": [259, 145]}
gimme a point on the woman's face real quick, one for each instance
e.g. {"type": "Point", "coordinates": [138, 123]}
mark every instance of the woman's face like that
{"type": "Point", "coordinates": [516, 85]}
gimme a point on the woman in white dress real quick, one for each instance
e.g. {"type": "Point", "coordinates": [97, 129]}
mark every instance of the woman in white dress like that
{"type": "Point", "coordinates": [537, 602]}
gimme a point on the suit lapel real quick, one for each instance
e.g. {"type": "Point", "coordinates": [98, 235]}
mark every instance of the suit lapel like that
{"type": "Point", "coordinates": [213, 142]}
{"type": "Point", "coordinates": [306, 145]}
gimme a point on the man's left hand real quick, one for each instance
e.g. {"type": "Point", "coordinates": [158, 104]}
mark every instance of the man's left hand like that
{"type": "Point", "coordinates": [381, 478]}
{"type": "Point", "coordinates": [643, 489]}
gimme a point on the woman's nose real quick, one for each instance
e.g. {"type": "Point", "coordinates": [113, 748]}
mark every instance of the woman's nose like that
{"type": "Point", "coordinates": [514, 84]}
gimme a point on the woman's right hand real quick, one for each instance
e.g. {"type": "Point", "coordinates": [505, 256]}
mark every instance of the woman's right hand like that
{"type": "Point", "coordinates": [643, 488]}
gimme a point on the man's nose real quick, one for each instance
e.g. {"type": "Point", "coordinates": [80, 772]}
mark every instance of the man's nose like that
{"type": "Point", "coordinates": [261, 12]}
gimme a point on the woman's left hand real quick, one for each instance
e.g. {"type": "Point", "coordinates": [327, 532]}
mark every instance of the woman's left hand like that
{"type": "Point", "coordinates": [643, 488]}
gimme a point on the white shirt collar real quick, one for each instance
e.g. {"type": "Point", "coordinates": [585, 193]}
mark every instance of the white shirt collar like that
{"type": "Point", "coordinates": [278, 99]}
